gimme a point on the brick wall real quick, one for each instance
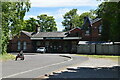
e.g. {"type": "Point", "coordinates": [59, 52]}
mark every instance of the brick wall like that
{"type": "Point", "coordinates": [95, 31]}
{"type": "Point", "coordinates": [13, 44]}
{"type": "Point", "coordinates": [77, 32]}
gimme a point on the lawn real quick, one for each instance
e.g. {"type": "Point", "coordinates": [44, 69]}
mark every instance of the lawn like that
{"type": "Point", "coordinates": [6, 57]}
{"type": "Point", "coordinates": [115, 58]}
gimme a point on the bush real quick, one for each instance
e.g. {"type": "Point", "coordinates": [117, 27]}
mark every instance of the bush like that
{"type": "Point", "coordinates": [6, 56]}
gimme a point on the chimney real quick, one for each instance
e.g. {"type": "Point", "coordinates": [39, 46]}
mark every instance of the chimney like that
{"type": "Point", "coordinates": [37, 29]}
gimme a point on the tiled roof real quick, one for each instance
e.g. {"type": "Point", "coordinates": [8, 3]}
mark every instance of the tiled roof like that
{"type": "Point", "coordinates": [90, 21]}
{"type": "Point", "coordinates": [27, 33]}
{"type": "Point", "coordinates": [95, 20]}
{"type": "Point", "coordinates": [49, 34]}
{"type": "Point", "coordinates": [74, 29]}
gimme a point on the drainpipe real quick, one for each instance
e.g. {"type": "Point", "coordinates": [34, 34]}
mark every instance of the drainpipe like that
{"type": "Point", "coordinates": [95, 49]}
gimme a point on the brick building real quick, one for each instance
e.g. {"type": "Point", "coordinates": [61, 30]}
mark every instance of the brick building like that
{"type": "Point", "coordinates": [52, 41]}
{"type": "Point", "coordinates": [56, 41]}
{"type": "Point", "coordinates": [91, 29]}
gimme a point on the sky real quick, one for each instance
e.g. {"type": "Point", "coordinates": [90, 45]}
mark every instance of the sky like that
{"type": "Point", "coordinates": [57, 8]}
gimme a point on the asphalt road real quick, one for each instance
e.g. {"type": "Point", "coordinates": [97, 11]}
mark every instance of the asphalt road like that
{"type": "Point", "coordinates": [37, 65]}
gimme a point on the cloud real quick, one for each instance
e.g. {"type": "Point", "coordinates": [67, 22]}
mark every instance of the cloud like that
{"type": "Point", "coordinates": [60, 12]}
{"type": "Point", "coordinates": [63, 7]}
{"type": "Point", "coordinates": [63, 3]}
{"type": "Point", "coordinates": [82, 11]}
{"type": "Point", "coordinates": [57, 14]}
{"type": "Point", "coordinates": [59, 26]}
{"type": "Point", "coordinates": [35, 16]}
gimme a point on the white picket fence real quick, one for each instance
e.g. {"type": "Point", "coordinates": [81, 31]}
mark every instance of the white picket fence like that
{"type": "Point", "coordinates": [98, 49]}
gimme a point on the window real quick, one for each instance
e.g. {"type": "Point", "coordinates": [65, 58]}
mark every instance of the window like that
{"type": "Point", "coordinates": [47, 43]}
{"type": "Point", "coordinates": [77, 34]}
{"type": "Point", "coordinates": [19, 44]}
{"type": "Point", "coordinates": [87, 33]}
{"type": "Point", "coordinates": [100, 29]}
{"type": "Point", "coordinates": [38, 43]}
{"type": "Point", "coordinates": [24, 45]}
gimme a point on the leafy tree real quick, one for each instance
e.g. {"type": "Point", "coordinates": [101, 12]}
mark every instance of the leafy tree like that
{"type": "Point", "coordinates": [109, 12]}
{"type": "Point", "coordinates": [47, 23]}
{"type": "Point", "coordinates": [12, 19]}
{"type": "Point", "coordinates": [86, 14]}
{"type": "Point", "coordinates": [72, 19]}
{"type": "Point", "coordinates": [30, 25]}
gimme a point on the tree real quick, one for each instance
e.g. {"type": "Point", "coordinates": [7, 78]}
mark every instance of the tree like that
{"type": "Point", "coordinates": [12, 20]}
{"type": "Point", "coordinates": [109, 12]}
{"type": "Point", "coordinates": [86, 14]}
{"type": "Point", "coordinates": [30, 25]}
{"type": "Point", "coordinates": [47, 23]}
{"type": "Point", "coordinates": [70, 19]}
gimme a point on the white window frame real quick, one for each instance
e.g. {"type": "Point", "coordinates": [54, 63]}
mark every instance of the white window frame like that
{"type": "Point", "coordinates": [100, 29]}
{"type": "Point", "coordinates": [24, 45]}
{"type": "Point", "coordinates": [18, 45]}
{"type": "Point", "coordinates": [87, 32]}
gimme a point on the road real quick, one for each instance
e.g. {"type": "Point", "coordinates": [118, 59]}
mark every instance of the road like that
{"type": "Point", "coordinates": [37, 65]}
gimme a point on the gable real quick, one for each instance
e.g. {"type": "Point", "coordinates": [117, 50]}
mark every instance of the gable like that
{"type": "Point", "coordinates": [76, 32]}
{"type": "Point", "coordinates": [87, 23]}
{"type": "Point", "coordinates": [21, 36]}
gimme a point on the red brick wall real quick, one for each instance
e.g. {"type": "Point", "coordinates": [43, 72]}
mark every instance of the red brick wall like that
{"type": "Point", "coordinates": [77, 32]}
{"type": "Point", "coordinates": [13, 45]}
{"type": "Point", "coordinates": [94, 35]}
{"type": "Point", "coordinates": [85, 37]}
{"type": "Point", "coordinates": [95, 31]}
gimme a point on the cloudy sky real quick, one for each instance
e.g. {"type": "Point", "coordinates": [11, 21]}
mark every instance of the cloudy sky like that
{"type": "Point", "coordinates": [58, 8]}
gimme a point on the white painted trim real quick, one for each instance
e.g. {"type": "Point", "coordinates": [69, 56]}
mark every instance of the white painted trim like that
{"type": "Point", "coordinates": [65, 38]}
{"type": "Point", "coordinates": [37, 38]}
{"type": "Point", "coordinates": [72, 38]}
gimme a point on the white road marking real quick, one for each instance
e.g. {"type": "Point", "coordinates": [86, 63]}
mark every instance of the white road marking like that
{"type": "Point", "coordinates": [36, 69]}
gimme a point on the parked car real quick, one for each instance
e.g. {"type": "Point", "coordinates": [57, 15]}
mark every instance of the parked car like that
{"type": "Point", "coordinates": [41, 49]}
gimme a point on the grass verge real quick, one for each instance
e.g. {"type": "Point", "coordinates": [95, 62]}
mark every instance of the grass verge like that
{"type": "Point", "coordinates": [114, 58]}
{"type": "Point", "coordinates": [6, 57]}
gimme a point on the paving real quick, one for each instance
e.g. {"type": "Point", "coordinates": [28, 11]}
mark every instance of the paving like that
{"type": "Point", "coordinates": [38, 65]}
{"type": "Point", "coordinates": [93, 69]}
{"type": "Point", "coordinates": [60, 67]}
